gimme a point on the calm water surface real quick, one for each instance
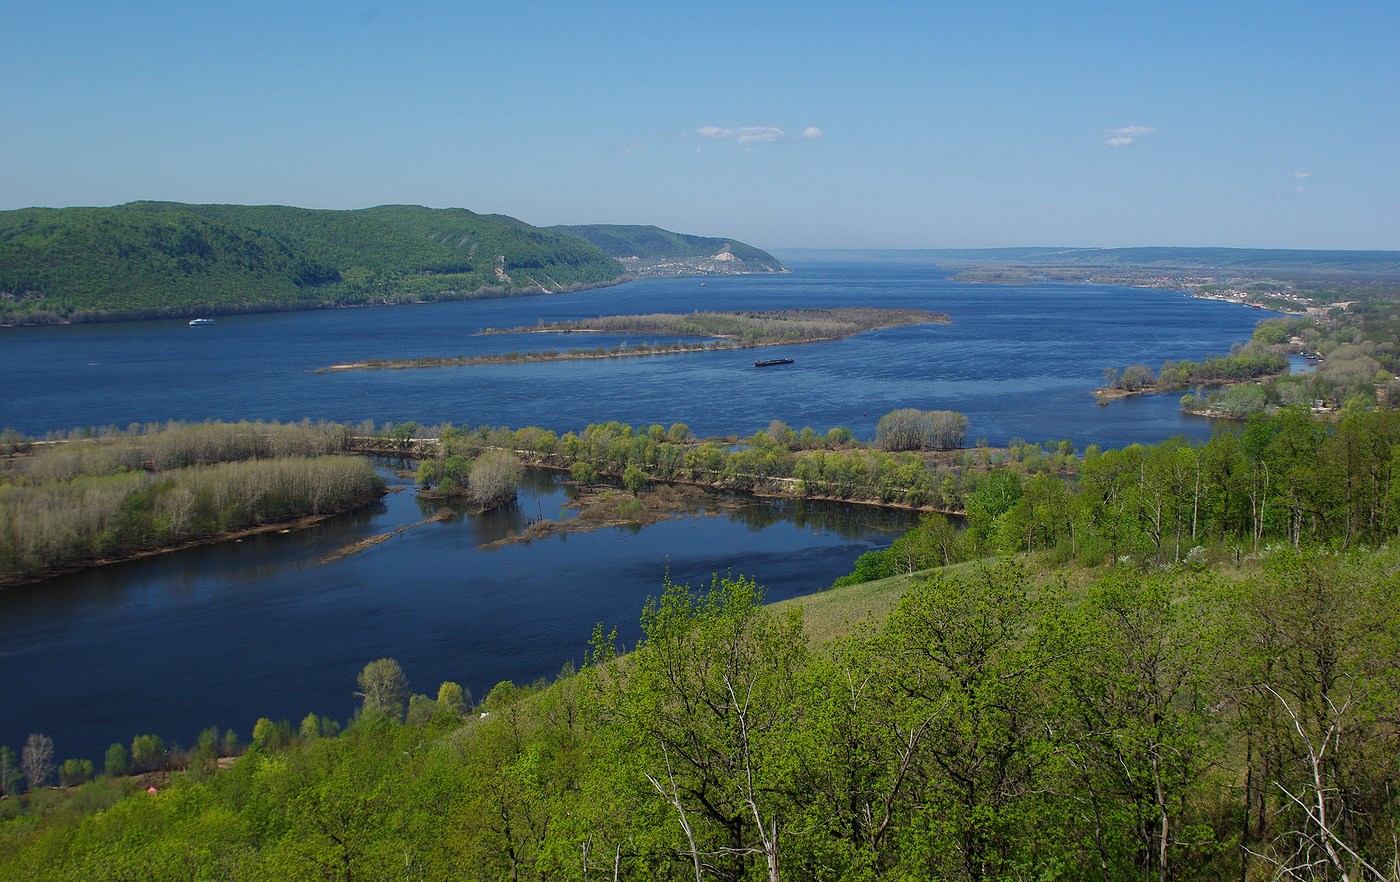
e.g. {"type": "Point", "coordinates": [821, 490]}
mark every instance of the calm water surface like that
{"type": "Point", "coordinates": [1018, 361]}
{"type": "Point", "coordinates": [225, 634]}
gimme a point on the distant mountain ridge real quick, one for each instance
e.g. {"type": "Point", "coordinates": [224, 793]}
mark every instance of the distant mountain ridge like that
{"type": "Point", "coordinates": [652, 251]}
{"type": "Point", "coordinates": [153, 259]}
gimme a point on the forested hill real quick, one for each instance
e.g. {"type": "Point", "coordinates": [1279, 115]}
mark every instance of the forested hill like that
{"type": "Point", "coordinates": [647, 250]}
{"type": "Point", "coordinates": [147, 259]}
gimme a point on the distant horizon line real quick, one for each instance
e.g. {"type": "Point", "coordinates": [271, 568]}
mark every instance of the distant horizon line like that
{"type": "Point", "coordinates": [787, 248]}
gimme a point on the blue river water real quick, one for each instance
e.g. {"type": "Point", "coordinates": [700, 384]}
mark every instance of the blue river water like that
{"type": "Point", "coordinates": [221, 635]}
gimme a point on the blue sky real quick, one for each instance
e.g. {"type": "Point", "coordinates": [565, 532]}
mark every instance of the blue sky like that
{"type": "Point", "coordinates": [784, 124]}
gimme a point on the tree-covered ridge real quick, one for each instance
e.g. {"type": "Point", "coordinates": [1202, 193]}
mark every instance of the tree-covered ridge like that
{"type": "Point", "coordinates": [161, 258]}
{"type": "Point", "coordinates": [650, 249]}
{"type": "Point", "coordinates": [996, 724]}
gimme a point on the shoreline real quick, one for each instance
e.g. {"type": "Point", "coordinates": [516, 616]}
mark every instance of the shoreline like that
{"type": "Point", "coordinates": [298, 523]}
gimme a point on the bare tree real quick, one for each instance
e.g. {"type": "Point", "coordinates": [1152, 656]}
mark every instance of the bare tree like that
{"type": "Point", "coordinates": [37, 761]}
{"type": "Point", "coordinates": [494, 478]}
{"type": "Point", "coordinates": [1318, 846]}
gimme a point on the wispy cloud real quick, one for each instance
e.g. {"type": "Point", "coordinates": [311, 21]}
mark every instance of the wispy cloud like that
{"type": "Point", "coordinates": [812, 132]}
{"type": "Point", "coordinates": [1302, 175]}
{"type": "Point", "coordinates": [1122, 137]}
{"type": "Point", "coordinates": [743, 134]}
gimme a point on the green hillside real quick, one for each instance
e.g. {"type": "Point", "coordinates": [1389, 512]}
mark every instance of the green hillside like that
{"type": "Point", "coordinates": [652, 246]}
{"type": "Point", "coordinates": [149, 259]}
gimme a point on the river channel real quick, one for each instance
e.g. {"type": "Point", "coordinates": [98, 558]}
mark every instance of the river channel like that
{"type": "Point", "coordinates": [222, 635]}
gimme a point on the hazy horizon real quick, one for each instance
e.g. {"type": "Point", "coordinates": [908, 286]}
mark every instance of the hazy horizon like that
{"type": "Point", "coordinates": [785, 125]}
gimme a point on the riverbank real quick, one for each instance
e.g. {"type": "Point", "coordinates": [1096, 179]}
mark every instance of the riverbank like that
{"type": "Point", "coordinates": [1107, 394]}
{"type": "Point", "coordinates": [285, 526]}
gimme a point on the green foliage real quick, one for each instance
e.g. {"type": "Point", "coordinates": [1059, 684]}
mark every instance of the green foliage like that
{"type": "Point", "coordinates": [153, 259]}
{"type": "Point", "coordinates": [73, 772]}
{"type": "Point", "coordinates": [634, 479]}
{"type": "Point", "coordinates": [117, 760]}
{"type": "Point", "coordinates": [383, 690]}
{"type": "Point", "coordinates": [148, 753]}
{"type": "Point", "coordinates": [9, 771]}
{"type": "Point", "coordinates": [271, 737]}
{"type": "Point", "coordinates": [1156, 725]}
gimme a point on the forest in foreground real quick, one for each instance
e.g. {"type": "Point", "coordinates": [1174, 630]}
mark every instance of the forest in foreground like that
{"type": "Point", "coordinates": [1001, 721]}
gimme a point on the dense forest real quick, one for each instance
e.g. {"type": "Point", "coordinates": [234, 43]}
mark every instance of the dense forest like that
{"type": "Point", "coordinates": [146, 259]}
{"type": "Point", "coordinates": [998, 722]}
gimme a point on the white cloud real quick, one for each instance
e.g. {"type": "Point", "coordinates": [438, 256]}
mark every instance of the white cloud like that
{"type": "Point", "coordinates": [743, 134]}
{"type": "Point", "coordinates": [1122, 137]}
{"type": "Point", "coordinates": [812, 132]}
{"type": "Point", "coordinates": [1302, 175]}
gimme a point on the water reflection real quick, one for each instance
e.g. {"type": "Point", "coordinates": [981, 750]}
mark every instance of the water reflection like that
{"type": "Point", "coordinates": [201, 637]}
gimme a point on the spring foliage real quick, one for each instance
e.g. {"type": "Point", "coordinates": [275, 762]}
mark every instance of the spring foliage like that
{"type": "Point", "coordinates": [1169, 726]}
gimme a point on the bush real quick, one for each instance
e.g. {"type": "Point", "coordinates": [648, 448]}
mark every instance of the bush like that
{"type": "Point", "coordinates": [494, 478]}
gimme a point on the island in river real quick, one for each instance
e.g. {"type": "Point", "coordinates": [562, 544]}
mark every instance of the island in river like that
{"type": "Point", "coordinates": [726, 330]}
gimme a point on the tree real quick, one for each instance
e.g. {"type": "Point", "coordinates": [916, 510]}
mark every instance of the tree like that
{"type": "Point", "coordinates": [711, 709]}
{"type": "Point", "coordinates": [147, 752]}
{"type": "Point", "coordinates": [383, 689]}
{"type": "Point", "coordinates": [37, 761]}
{"type": "Point", "coordinates": [271, 736]}
{"type": "Point", "coordinates": [634, 480]}
{"type": "Point", "coordinates": [204, 758]}
{"type": "Point", "coordinates": [1138, 693]}
{"type": "Point", "coordinates": [117, 761]}
{"type": "Point", "coordinates": [452, 705]}
{"type": "Point", "coordinates": [74, 772]}
{"type": "Point", "coordinates": [9, 771]}
{"type": "Point", "coordinates": [310, 728]}
{"type": "Point", "coordinates": [976, 658]}
{"type": "Point", "coordinates": [1136, 376]}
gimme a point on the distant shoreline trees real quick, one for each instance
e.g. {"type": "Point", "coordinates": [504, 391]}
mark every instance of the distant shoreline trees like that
{"type": "Point", "coordinates": [69, 505]}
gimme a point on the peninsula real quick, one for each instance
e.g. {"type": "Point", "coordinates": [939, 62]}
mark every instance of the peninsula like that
{"type": "Point", "coordinates": [726, 330]}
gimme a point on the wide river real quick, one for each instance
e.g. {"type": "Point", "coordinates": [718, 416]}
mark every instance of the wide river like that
{"type": "Point", "coordinates": [228, 633]}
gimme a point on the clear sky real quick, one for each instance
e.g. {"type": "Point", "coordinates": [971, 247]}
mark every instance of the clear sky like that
{"type": "Point", "coordinates": [957, 123]}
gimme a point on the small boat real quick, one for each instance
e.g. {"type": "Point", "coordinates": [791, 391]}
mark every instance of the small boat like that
{"type": "Point", "coordinates": [200, 322]}
{"type": "Point", "coordinates": [769, 362]}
